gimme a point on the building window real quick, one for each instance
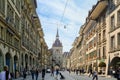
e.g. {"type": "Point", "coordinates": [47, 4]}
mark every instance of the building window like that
{"type": "Point", "coordinates": [10, 14]}
{"type": "Point", "coordinates": [112, 42]}
{"type": "Point", "coordinates": [99, 37]}
{"type": "Point", "coordinates": [104, 51]}
{"type": "Point", "coordinates": [18, 5]}
{"type": "Point", "coordinates": [16, 43]}
{"type": "Point", "coordinates": [118, 18]}
{"type": "Point", "coordinates": [99, 53]}
{"type": "Point", "coordinates": [112, 4]}
{"type": "Point", "coordinates": [2, 6]}
{"type": "Point", "coordinates": [9, 37]}
{"type": "Point", "coordinates": [112, 23]}
{"type": "Point", "coordinates": [118, 39]}
{"type": "Point", "coordinates": [17, 23]}
{"type": "Point", "coordinates": [2, 33]}
{"type": "Point", "coordinates": [104, 34]}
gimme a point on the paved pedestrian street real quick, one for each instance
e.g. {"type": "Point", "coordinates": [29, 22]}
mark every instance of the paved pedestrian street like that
{"type": "Point", "coordinates": [68, 76]}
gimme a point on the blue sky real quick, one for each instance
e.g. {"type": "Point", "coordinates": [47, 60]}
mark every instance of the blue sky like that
{"type": "Point", "coordinates": [50, 13]}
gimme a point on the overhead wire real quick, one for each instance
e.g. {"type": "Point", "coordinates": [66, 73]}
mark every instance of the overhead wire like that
{"type": "Point", "coordinates": [64, 11]}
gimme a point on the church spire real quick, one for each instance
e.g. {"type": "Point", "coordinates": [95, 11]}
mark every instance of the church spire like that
{"type": "Point", "coordinates": [57, 35]}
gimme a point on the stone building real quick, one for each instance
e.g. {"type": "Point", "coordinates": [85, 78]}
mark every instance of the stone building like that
{"type": "Point", "coordinates": [21, 35]}
{"type": "Point", "coordinates": [113, 36]}
{"type": "Point", "coordinates": [57, 52]}
{"type": "Point", "coordinates": [65, 59]}
{"type": "Point", "coordinates": [101, 37]}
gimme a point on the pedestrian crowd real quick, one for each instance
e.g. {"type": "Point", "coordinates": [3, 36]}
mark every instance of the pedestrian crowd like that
{"type": "Point", "coordinates": [55, 72]}
{"type": "Point", "coordinates": [6, 75]}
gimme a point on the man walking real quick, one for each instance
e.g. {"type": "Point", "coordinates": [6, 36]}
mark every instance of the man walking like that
{"type": "Point", "coordinates": [32, 73]}
{"type": "Point", "coordinates": [90, 71]}
{"type": "Point", "coordinates": [43, 74]}
{"type": "Point", "coordinates": [5, 75]}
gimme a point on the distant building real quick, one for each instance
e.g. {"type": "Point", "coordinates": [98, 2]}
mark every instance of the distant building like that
{"type": "Point", "coordinates": [57, 52]}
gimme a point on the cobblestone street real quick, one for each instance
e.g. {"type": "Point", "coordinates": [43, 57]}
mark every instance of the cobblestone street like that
{"type": "Point", "coordinates": [68, 76]}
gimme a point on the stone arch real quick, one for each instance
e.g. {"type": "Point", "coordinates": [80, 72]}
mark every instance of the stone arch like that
{"type": "Point", "coordinates": [102, 64]}
{"type": "Point", "coordinates": [26, 61]}
{"type": "Point", "coordinates": [8, 58]}
{"type": "Point", "coordinates": [15, 62]}
{"type": "Point", "coordinates": [115, 62]}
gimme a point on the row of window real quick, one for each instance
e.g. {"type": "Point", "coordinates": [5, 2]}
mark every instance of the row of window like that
{"type": "Point", "coordinates": [113, 25]}
{"type": "Point", "coordinates": [103, 53]}
{"type": "Point", "coordinates": [113, 42]}
{"type": "Point", "coordinates": [8, 36]}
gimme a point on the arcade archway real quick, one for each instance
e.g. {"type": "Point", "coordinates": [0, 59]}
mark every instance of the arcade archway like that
{"type": "Point", "coordinates": [8, 60]}
{"type": "Point", "coordinates": [26, 61]}
{"type": "Point", "coordinates": [115, 62]}
{"type": "Point", "coordinates": [15, 62]}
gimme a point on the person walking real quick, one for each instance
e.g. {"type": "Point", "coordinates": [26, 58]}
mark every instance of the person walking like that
{"type": "Point", "coordinates": [32, 73]}
{"type": "Point", "coordinates": [43, 74]}
{"type": "Point", "coordinates": [24, 73]}
{"type": "Point", "coordinates": [95, 75]}
{"type": "Point", "coordinates": [52, 71]}
{"type": "Point", "coordinates": [57, 72]}
{"type": "Point", "coordinates": [36, 74]}
{"type": "Point", "coordinates": [5, 74]}
{"type": "Point", "coordinates": [90, 71]}
{"type": "Point", "coordinates": [118, 74]}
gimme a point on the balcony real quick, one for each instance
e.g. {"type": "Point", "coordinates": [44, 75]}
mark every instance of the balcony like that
{"type": "Point", "coordinates": [98, 8]}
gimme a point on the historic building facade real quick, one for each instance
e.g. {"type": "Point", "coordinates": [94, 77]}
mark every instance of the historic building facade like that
{"type": "Point", "coordinates": [57, 52]}
{"type": "Point", "coordinates": [21, 35]}
{"type": "Point", "coordinates": [113, 36]}
{"type": "Point", "coordinates": [101, 37]}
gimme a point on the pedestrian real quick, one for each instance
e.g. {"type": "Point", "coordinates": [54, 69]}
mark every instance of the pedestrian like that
{"type": "Point", "coordinates": [90, 72]}
{"type": "Point", "coordinates": [118, 74]}
{"type": "Point", "coordinates": [52, 71]}
{"type": "Point", "coordinates": [5, 74]}
{"type": "Point", "coordinates": [24, 73]}
{"type": "Point", "coordinates": [36, 74]}
{"type": "Point", "coordinates": [80, 71]}
{"type": "Point", "coordinates": [32, 73]}
{"type": "Point", "coordinates": [95, 75]}
{"type": "Point", "coordinates": [43, 73]}
{"type": "Point", "coordinates": [57, 72]}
